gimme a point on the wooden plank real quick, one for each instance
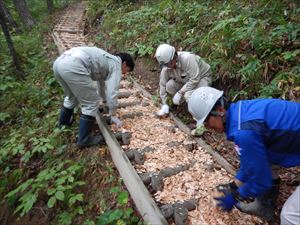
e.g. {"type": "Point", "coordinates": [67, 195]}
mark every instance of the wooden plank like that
{"type": "Point", "coordinates": [223, 162]}
{"type": "Point", "coordinates": [139, 193]}
{"type": "Point", "coordinates": [74, 31]}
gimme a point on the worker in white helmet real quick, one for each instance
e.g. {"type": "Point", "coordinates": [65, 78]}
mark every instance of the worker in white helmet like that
{"type": "Point", "coordinates": [182, 72]}
{"type": "Point", "coordinates": [77, 69]}
{"type": "Point", "coordinates": [266, 133]}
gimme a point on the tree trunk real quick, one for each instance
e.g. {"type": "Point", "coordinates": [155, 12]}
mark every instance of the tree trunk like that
{"type": "Point", "coordinates": [20, 73]}
{"type": "Point", "coordinates": [9, 19]}
{"type": "Point", "coordinates": [50, 6]}
{"type": "Point", "coordinates": [24, 13]}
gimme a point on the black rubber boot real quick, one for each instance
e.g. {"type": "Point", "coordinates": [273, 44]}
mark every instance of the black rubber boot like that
{"type": "Point", "coordinates": [263, 206]}
{"type": "Point", "coordinates": [65, 117]}
{"type": "Point", "coordinates": [268, 201]}
{"type": "Point", "coordinates": [86, 124]}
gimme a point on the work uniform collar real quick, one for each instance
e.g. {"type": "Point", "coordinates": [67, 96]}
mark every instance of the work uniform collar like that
{"type": "Point", "coordinates": [233, 115]}
{"type": "Point", "coordinates": [227, 122]}
{"type": "Point", "coordinates": [178, 63]}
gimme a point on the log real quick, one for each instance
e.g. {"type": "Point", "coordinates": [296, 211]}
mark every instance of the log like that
{"type": "Point", "coordinates": [157, 182]}
{"type": "Point", "coordinates": [169, 171]}
{"type": "Point", "coordinates": [173, 144]}
{"type": "Point", "coordinates": [130, 154]}
{"type": "Point", "coordinates": [128, 104]}
{"type": "Point", "coordinates": [190, 204]}
{"type": "Point", "coordinates": [104, 109]}
{"type": "Point", "coordinates": [68, 30]}
{"type": "Point", "coordinates": [144, 150]}
{"type": "Point", "coordinates": [168, 209]}
{"type": "Point", "coordinates": [145, 177]}
{"type": "Point", "coordinates": [132, 115]}
{"type": "Point", "coordinates": [123, 137]}
{"type": "Point", "coordinates": [190, 145]}
{"type": "Point", "coordinates": [139, 158]}
{"type": "Point", "coordinates": [180, 214]}
{"type": "Point", "coordinates": [124, 94]}
{"type": "Point", "coordinates": [134, 155]}
{"type": "Point", "coordinates": [166, 172]}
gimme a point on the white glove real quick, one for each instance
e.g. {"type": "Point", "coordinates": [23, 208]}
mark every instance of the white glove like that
{"type": "Point", "coordinates": [163, 111]}
{"type": "Point", "coordinates": [177, 98]}
{"type": "Point", "coordinates": [116, 121]}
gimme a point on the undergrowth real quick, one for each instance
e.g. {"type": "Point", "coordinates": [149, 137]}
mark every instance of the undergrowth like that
{"type": "Point", "coordinates": [44, 178]}
{"type": "Point", "coordinates": [252, 46]}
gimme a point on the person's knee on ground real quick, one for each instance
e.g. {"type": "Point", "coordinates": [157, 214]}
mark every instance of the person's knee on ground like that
{"type": "Point", "coordinates": [290, 213]}
{"type": "Point", "coordinates": [86, 125]}
{"type": "Point", "coordinates": [65, 117]}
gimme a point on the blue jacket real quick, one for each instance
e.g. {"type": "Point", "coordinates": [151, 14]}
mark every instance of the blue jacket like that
{"type": "Point", "coordinates": [266, 131]}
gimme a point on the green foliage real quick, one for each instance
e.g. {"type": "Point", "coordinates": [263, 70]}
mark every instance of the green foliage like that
{"type": "Point", "coordinates": [29, 156]}
{"type": "Point", "coordinates": [59, 181]}
{"type": "Point", "coordinates": [121, 215]}
{"type": "Point", "coordinates": [246, 44]}
{"type": "Point", "coordinates": [37, 163]}
{"type": "Point", "coordinates": [66, 218]}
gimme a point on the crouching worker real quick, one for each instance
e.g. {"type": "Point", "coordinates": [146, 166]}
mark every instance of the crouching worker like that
{"type": "Point", "coordinates": [76, 70]}
{"type": "Point", "coordinates": [266, 132]}
{"type": "Point", "coordinates": [182, 72]}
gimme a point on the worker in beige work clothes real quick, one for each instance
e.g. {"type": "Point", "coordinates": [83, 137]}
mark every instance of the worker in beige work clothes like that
{"type": "Point", "coordinates": [77, 70]}
{"type": "Point", "coordinates": [182, 73]}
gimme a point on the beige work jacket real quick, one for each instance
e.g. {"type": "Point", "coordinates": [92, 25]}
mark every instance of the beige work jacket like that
{"type": "Point", "coordinates": [190, 69]}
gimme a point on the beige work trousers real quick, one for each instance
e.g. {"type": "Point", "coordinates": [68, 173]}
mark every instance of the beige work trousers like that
{"type": "Point", "coordinates": [172, 87]}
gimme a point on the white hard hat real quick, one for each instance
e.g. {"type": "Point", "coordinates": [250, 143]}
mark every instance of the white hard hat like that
{"type": "Point", "coordinates": [202, 101]}
{"type": "Point", "coordinates": [164, 54]}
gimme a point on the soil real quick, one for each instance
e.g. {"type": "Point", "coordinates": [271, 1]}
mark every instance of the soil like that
{"type": "Point", "coordinates": [146, 72]}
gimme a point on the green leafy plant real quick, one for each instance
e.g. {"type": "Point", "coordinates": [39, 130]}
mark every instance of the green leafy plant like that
{"type": "Point", "coordinates": [12, 146]}
{"type": "Point", "coordinates": [59, 181]}
{"type": "Point", "coordinates": [121, 215]}
{"type": "Point", "coordinates": [259, 32]}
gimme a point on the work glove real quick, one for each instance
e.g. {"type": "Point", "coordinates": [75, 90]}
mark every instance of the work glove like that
{"type": "Point", "coordinates": [227, 189]}
{"type": "Point", "coordinates": [116, 121]}
{"type": "Point", "coordinates": [226, 203]}
{"type": "Point", "coordinates": [231, 196]}
{"type": "Point", "coordinates": [163, 111]}
{"type": "Point", "coordinates": [198, 131]}
{"type": "Point", "coordinates": [177, 98]}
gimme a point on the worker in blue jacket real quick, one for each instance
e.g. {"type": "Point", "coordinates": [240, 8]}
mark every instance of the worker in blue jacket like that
{"type": "Point", "coordinates": [266, 132]}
